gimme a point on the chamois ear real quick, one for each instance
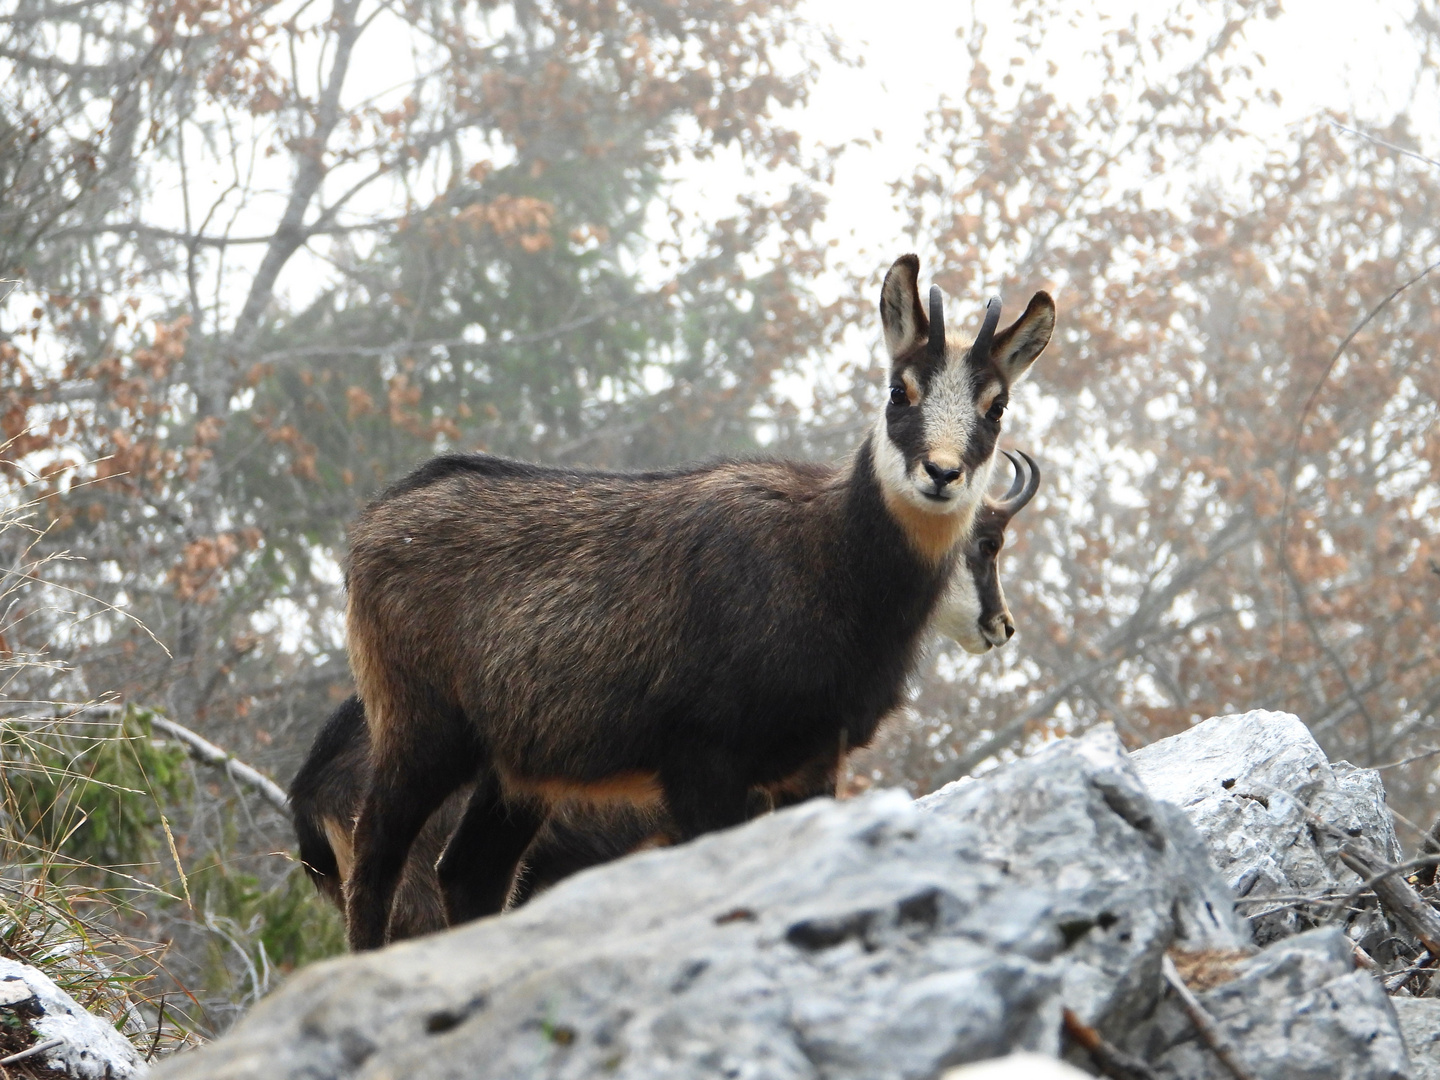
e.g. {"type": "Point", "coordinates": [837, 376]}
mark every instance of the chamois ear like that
{"type": "Point", "coordinates": [901, 313]}
{"type": "Point", "coordinates": [1016, 347]}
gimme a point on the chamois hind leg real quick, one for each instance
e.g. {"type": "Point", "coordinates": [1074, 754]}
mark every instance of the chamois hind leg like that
{"type": "Point", "coordinates": [413, 770]}
{"type": "Point", "coordinates": [478, 866]}
{"type": "Point", "coordinates": [576, 838]}
{"type": "Point", "coordinates": [815, 779]}
{"type": "Point", "coordinates": [704, 791]}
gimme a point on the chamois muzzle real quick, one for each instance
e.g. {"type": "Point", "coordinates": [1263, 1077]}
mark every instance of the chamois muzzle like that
{"type": "Point", "coordinates": [1022, 488]}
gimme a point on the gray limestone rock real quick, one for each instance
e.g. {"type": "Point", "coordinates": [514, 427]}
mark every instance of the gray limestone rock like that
{"type": "Point", "coordinates": [1068, 818]}
{"type": "Point", "coordinates": [87, 1047]}
{"type": "Point", "coordinates": [1253, 784]}
{"type": "Point", "coordinates": [1420, 1027]}
{"type": "Point", "coordinates": [1299, 1010]}
{"type": "Point", "coordinates": [863, 940]}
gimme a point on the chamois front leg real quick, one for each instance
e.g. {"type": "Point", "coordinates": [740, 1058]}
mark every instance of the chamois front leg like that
{"type": "Point", "coordinates": [477, 869]}
{"type": "Point", "coordinates": [413, 771]}
{"type": "Point", "coordinates": [813, 780]}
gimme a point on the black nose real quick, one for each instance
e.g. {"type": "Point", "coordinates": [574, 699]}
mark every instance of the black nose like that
{"type": "Point", "coordinates": [1009, 629]}
{"type": "Point", "coordinates": [941, 476]}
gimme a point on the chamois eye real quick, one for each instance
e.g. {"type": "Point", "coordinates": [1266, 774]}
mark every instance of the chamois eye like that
{"type": "Point", "coordinates": [989, 548]}
{"type": "Point", "coordinates": [996, 412]}
{"type": "Point", "coordinates": [899, 396]}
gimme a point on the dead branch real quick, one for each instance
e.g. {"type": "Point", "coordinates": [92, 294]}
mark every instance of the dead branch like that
{"type": "Point", "coordinates": [1205, 1025]}
{"type": "Point", "coordinates": [38, 1048]}
{"type": "Point", "coordinates": [1430, 846]}
{"type": "Point", "coordinates": [1364, 960]}
{"type": "Point", "coordinates": [1426, 962]}
{"type": "Point", "coordinates": [1396, 894]}
{"type": "Point", "coordinates": [1340, 901]}
{"type": "Point", "coordinates": [207, 753]}
{"type": "Point", "coordinates": [1105, 1056]}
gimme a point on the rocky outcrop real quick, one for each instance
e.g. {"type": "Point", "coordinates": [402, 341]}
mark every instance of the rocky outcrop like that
{"type": "Point", "coordinates": [865, 939]}
{"type": "Point", "coordinates": [1420, 1027]}
{"type": "Point", "coordinates": [1298, 1009]}
{"type": "Point", "coordinates": [883, 938]}
{"type": "Point", "coordinates": [75, 1043]}
{"type": "Point", "coordinates": [1255, 784]}
{"type": "Point", "coordinates": [1127, 876]}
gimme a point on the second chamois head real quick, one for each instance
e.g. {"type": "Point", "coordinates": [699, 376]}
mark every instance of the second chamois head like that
{"type": "Point", "coordinates": [973, 610]}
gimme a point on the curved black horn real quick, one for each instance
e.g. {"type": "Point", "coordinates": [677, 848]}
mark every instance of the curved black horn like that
{"type": "Point", "coordinates": [1018, 482]}
{"type": "Point", "coordinates": [980, 351]}
{"type": "Point", "coordinates": [937, 323]}
{"type": "Point", "coordinates": [1015, 500]}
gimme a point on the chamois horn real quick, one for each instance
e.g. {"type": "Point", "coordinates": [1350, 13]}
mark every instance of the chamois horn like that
{"type": "Point", "coordinates": [980, 351]}
{"type": "Point", "coordinates": [1022, 489]}
{"type": "Point", "coordinates": [937, 324]}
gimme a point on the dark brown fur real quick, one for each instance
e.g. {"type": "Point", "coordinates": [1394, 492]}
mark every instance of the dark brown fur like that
{"type": "Point", "coordinates": [326, 794]}
{"type": "Point", "coordinates": [557, 635]}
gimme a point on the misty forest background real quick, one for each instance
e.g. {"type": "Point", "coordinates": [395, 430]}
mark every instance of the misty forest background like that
{"type": "Point", "coordinates": [263, 256]}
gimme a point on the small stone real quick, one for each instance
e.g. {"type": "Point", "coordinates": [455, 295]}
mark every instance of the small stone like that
{"type": "Point", "coordinates": [13, 991]}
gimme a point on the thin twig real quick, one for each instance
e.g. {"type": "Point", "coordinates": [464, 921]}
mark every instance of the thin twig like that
{"type": "Point", "coordinates": [1383, 872]}
{"type": "Point", "coordinates": [1401, 819]}
{"type": "Point", "coordinates": [160, 1023]}
{"type": "Point", "coordinates": [1204, 1023]}
{"type": "Point", "coordinates": [1289, 901]}
{"type": "Point", "coordinates": [1324, 646]}
{"type": "Point", "coordinates": [1399, 978]}
{"type": "Point", "coordinates": [1107, 1057]}
{"type": "Point", "coordinates": [38, 1048]}
{"type": "Point", "coordinates": [1381, 142]}
{"type": "Point", "coordinates": [1407, 761]}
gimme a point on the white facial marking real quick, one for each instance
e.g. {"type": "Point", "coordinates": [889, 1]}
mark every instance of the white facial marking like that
{"type": "Point", "coordinates": [889, 461]}
{"type": "Point", "coordinates": [949, 412]}
{"type": "Point", "coordinates": [957, 614]}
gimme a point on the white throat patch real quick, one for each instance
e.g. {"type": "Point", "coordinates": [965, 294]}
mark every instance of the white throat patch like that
{"type": "Point", "coordinates": [957, 614]}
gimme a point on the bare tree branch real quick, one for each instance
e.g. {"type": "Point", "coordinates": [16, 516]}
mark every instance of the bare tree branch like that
{"type": "Point", "coordinates": [207, 753]}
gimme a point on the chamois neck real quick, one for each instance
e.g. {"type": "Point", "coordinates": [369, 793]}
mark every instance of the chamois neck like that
{"type": "Point", "coordinates": [931, 538]}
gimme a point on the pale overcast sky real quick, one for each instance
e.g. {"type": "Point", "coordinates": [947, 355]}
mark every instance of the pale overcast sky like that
{"type": "Point", "coordinates": [1347, 55]}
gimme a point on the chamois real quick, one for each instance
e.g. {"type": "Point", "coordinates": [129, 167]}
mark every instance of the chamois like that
{"type": "Point", "coordinates": [973, 610]}
{"type": "Point", "coordinates": [689, 635]}
{"type": "Point", "coordinates": [325, 794]}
